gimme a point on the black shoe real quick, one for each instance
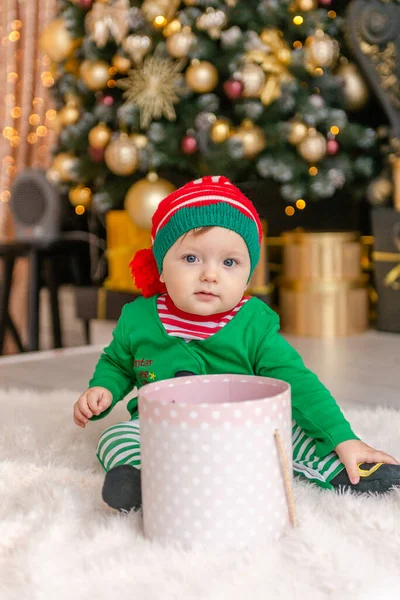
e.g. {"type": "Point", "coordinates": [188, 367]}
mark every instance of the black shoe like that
{"type": "Point", "coordinates": [378, 478]}
{"type": "Point", "coordinates": [122, 488]}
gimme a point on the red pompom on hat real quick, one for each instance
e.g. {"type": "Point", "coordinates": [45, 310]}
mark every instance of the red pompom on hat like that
{"type": "Point", "coordinates": [145, 273]}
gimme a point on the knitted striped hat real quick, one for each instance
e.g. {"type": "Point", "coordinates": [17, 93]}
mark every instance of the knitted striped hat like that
{"type": "Point", "coordinates": [209, 201]}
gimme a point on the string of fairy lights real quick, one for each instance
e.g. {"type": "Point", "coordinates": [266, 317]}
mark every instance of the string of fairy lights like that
{"type": "Point", "coordinates": [28, 75]}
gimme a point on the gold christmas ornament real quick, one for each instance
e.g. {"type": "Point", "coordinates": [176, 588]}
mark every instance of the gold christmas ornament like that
{"type": "Point", "coordinates": [212, 21]}
{"type": "Point", "coordinates": [69, 114]}
{"type": "Point", "coordinates": [104, 20]}
{"type": "Point", "coordinates": [121, 156]}
{"type": "Point", "coordinates": [355, 90]}
{"type": "Point", "coordinates": [80, 195]}
{"type": "Point", "coordinates": [137, 47]}
{"type": "Point", "coordinates": [172, 27]}
{"type": "Point", "coordinates": [63, 166]}
{"type": "Point", "coordinates": [95, 74]}
{"type": "Point", "coordinates": [252, 138]}
{"type": "Point", "coordinates": [253, 79]}
{"type": "Point", "coordinates": [379, 190]}
{"type": "Point", "coordinates": [273, 57]}
{"type": "Point", "coordinates": [140, 140]}
{"type": "Point", "coordinates": [180, 43]}
{"type": "Point", "coordinates": [121, 63]}
{"type": "Point", "coordinates": [154, 88]}
{"type": "Point", "coordinates": [99, 136]}
{"type": "Point", "coordinates": [159, 8]}
{"type": "Point", "coordinates": [221, 130]}
{"type": "Point", "coordinates": [143, 198]}
{"type": "Point", "coordinates": [320, 51]}
{"type": "Point", "coordinates": [298, 132]}
{"type": "Point", "coordinates": [306, 5]}
{"type": "Point", "coordinates": [313, 147]}
{"type": "Point", "coordinates": [56, 41]}
{"type": "Point", "coordinates": [201, 76]}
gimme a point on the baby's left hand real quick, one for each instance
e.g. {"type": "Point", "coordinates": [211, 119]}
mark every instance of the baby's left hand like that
{"type": "Point", "coordinates": [354, 452]}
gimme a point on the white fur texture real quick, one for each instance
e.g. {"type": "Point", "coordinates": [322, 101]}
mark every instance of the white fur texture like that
{"type": "Point", "coordinates": [58, 541]}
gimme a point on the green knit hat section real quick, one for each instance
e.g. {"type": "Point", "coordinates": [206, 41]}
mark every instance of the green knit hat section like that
{"type": "Point", "coordinates": [208, 215]}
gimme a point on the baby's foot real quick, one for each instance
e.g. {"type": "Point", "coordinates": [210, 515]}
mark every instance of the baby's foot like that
{"type": "Point", "coordinates": [122, 488]}
{"type": "Point", "coordinates": [379, 478]}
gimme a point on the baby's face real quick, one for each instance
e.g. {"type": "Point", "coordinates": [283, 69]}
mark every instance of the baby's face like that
{"type": "Point", "coordinates": [207, 272]}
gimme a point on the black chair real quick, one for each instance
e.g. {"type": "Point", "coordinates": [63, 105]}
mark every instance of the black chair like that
{"type": "Point", "coordinates": [36, 207]}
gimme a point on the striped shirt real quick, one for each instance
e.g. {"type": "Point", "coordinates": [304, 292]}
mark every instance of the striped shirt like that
{"type": "Point", "coordinates": [192, 327]}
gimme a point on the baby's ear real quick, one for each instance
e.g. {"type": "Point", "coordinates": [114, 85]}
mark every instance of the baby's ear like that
{"type": "Point", "coordinates": [162, 278]}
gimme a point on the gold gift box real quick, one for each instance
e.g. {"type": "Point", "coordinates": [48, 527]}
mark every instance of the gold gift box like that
{"type": "Point", "coordinates": [124, 238]}
{"type": "Point", "coordinates": [322, 290]}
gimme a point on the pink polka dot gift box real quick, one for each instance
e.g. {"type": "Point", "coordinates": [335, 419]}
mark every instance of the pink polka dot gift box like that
{"type": "Point", "coordinates": [216, 460]}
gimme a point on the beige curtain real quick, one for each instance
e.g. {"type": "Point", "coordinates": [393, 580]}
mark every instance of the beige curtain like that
{"type": "Point", "coordinates": [25, 139]}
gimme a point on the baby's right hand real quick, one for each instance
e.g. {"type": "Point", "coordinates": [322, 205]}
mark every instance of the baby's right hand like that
{"type": "Point", "coordinates": [92, 402]}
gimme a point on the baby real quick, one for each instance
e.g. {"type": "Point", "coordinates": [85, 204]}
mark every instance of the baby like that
{"type": "Point", "coordinates": [194, 318]}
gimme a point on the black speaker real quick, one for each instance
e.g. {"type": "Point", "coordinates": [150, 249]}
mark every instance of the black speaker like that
{"type": "Point", "coordinates": [36, 207]}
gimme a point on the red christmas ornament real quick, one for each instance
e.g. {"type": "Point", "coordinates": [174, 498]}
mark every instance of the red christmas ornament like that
{"type": "Point", "coordinates": [325, 2]}
{"type": "Point", "coordinates": [96, 154]}
{"type": "Point", "coordinates": [233, 88]}
{"type": "Point", "coordinates": [86, 4]}
{"type": "Point", "coordinates": [332, 147]}
{"type": "Point", "coordinates": [108, 100]}
{"type": "Point", "coordinates": [189, 144]}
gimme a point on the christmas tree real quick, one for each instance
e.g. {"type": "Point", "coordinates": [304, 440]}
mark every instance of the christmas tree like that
{"type": "Point", "coordinates": [255, 89]}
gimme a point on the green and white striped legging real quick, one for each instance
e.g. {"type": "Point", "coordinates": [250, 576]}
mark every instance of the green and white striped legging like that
{"type": "Point", "coordinates": [120, 445]}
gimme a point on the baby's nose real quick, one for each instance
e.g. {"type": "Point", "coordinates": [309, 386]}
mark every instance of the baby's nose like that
{"type": "Point", "coordinates": [209, 273]}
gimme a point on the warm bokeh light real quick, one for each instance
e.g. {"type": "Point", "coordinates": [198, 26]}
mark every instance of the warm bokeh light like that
{"type": "Point", "coordinates": [300, 204]}
{"type": "Point", "coordinates": [334, 129]}
{"type": "Point", "coordinates": [313, 171]}
{"type": "Point", "coordinates": [34, 119]}
{"type": "Point", "coordinates": [41, 131]}
{"type": "Point", "coordinates": [51, 114]}
{"type": "Point", "coordinates": [289, 210]}
{"type": "Point", "coordinates": [14, 36]}
{"type": "Point", "coordinates": [16, 112]}
{"type": "Point", "coordinates": [79, 209]}
{"type": "Point", "coordinates": [160, 21]}
{"type": "Point", "coordinates": [32, 138]}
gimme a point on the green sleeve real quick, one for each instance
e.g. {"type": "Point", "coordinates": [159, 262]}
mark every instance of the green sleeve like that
{"type": "Point", "coordinates": [313, 407]}
{"type": "Point", "coordinates": [114, 370]}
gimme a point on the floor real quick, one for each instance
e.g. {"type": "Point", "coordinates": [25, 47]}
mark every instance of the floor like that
{"type": "Point", "coordinates": [359, 369]}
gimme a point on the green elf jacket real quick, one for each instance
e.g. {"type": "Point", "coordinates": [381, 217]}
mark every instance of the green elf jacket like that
{"type": "Point", "coordinates": [142, 352]}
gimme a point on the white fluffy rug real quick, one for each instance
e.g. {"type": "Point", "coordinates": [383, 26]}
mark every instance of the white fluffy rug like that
{"type": "Point", "coordinates": [59, 541]}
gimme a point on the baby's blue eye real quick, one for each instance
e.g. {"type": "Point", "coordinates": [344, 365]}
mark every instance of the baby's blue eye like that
{"type": "Point", "coordinates": [230, 262]}
{"type": "Point", "coordinates": [190, 258]}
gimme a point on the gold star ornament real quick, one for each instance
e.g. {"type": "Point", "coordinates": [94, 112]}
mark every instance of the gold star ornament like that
{"type": "Point", "coordinates": [154, 87]}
